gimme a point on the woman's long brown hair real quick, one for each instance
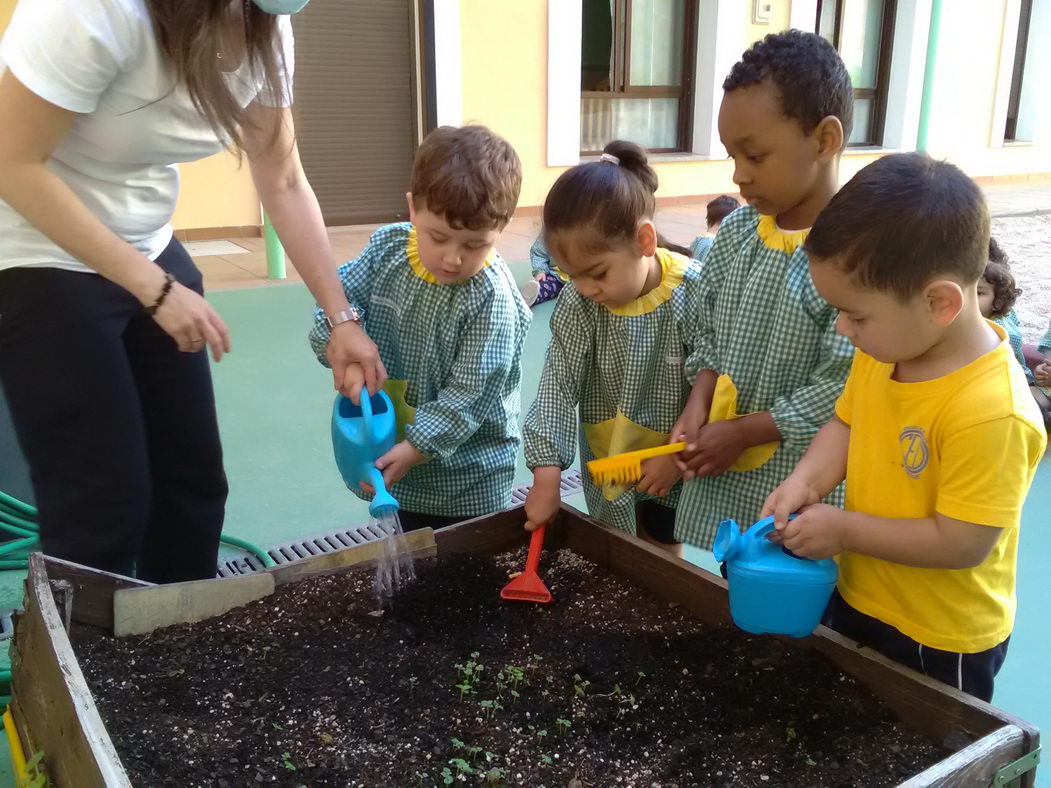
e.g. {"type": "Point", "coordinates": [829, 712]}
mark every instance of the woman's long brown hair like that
{"type": "Point", "coordinates": [190, 34]}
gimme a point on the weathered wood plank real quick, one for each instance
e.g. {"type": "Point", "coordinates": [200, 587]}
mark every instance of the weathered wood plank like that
{"type": "Point", "coordinates": [138, 611]}
{"type": "Point", "coordinates": [921, 702]}
{"type": "Point", "coordinates": [92, 590]}
{"type": "Point", "coordinates": [494, 533]}
{"type": "Point", "coordinates": [975, 764]}
{"type": "Point", "coordinates": [53, 699]}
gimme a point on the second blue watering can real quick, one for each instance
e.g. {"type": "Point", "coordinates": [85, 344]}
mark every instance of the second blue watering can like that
{"type": "Point", "coordinates": [360, 436]}
{"type": "Point", "coordinates": [772, 590]}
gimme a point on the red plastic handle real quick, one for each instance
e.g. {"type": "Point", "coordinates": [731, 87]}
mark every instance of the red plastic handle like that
{"type": "Point", "coordinates": [536, 544]}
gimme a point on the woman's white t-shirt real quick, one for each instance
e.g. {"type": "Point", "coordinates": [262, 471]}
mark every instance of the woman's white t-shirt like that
{"type": "Point", "coordinates": [100, 59]}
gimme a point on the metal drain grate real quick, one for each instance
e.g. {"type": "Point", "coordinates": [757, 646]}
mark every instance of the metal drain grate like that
{"type": "Point", "coordinates": [245, 564]}
{"type": "Point", "coordinates": [287, 552]}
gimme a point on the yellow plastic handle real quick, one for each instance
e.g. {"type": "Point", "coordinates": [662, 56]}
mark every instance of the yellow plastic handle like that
{"type": "Point", "coordinates": [656, 451]}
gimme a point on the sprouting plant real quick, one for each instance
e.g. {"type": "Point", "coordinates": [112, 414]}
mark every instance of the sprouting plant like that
{"type": "Point", "coordinates": [541, 734]}
{"type": "Point", "coordinates": [545, 760]}
{"type": "Point", "coordinates": [465, 689]}
{"type": "Point", "coordinates": [515, 695]}
{"type": "Point", "coordinates": [790, 731]}
{"type": "Point", "coordinates": [286, 761]}
{"type": "Point", "coordinates": [457, 744]}
{"type": "Point", "coordinates": [639, 676]}
{"type": "Point", "coordinates": [462, 766]}
{"type": "Point", "coordinates": [495, 775]}
{"type": "Point", "coordinates": [412, 684]}
{"type": "Point", "coordinates": [580, 686]}
{"type": "Point", "coordinates": [490, 707]}
{"type": "Point", "coordinates": [515, 675]}
{"type": "Point", "coordinates": [275, 726]}
{"type": "Point", "coordinates": [447, 776]}
{"type": "Point", "coordinates": [563, 725]}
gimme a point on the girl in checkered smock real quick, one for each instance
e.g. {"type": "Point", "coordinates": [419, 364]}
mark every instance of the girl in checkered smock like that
{"type": "Point", "coordinates": [614, 369]}
{"type": "Point", "coordinates": [769, 364]}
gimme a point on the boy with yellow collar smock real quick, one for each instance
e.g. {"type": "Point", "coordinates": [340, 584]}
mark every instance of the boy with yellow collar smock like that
{"type": "Point", "coordinates": [769, 364]}
{"type": "Point", "coordinates": [445, 312]}
{"type": "Point", "coordinates": [617, 344]}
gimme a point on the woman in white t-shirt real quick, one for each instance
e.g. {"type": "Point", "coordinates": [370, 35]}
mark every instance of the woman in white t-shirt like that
{"type": "Point", "coordinates": [102, 321]}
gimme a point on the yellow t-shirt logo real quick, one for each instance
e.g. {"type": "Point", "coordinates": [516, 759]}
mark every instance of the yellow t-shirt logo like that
{"type": "Point", "coordinates": [914, 451]}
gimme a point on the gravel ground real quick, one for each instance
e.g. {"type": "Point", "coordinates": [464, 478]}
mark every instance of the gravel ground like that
{"type": "Point", "coordinates": [1027, 241]}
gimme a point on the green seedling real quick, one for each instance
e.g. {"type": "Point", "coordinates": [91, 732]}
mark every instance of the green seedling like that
{"type": "Point", "coordinates": [465, 689]}
{"type": "Point", "coordinates": [580, 686]}
{"type": "Point", "coordinates": [790, 732]}
{"type": "Point", "coordinates": [286, 761]}
{"type": "Point", "coordinates": [462, 766]}
{"type": "Point", "coordinates": [639, 676]}
{"type": "Point", "coordinates": [447, 776]}
{"type": "Point", "coordinates": [563, 725]}
{"type": "Point", "coordinates": [495, 776]}
{"type": "Point", "coordinates": [545, 760]}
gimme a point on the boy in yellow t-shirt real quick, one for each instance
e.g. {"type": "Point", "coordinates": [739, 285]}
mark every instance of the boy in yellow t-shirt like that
{"type": "Point", "coordinates": [935, 431]}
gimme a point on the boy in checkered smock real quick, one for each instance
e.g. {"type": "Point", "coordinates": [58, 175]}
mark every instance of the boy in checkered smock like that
{"type": "Point", "coordinates": [769, 364]}
{"type": "Point", "coordinates": [617, 344]}
{"type": "Point", "coordinates": [447, 317]}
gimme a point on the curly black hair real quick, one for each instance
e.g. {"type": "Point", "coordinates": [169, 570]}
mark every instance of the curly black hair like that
{"type": "Point", "coordinates": [1005, 293]}
{"type": "Point", "coordinates": [997, 253]}
{"type": "Point", "coordinates": [721, 207]}
{"type": "Point", "coordinates": [808, 73]}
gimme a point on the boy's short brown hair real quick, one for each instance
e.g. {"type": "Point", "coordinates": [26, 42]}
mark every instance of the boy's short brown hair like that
{"type": "Point", "coordinates": [902, 221]}
{"type": "Point", "coordinates": [468, 175]}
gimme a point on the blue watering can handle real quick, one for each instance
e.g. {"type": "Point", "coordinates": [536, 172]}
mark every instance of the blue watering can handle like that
{"type": "Point", "coordinates": [366, 409]}
{"type": "Point", "coordinates": [764, 527]}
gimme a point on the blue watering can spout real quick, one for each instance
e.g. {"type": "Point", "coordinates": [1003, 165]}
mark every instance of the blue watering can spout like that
{"type": "Point", "coordinates": [361, 434]}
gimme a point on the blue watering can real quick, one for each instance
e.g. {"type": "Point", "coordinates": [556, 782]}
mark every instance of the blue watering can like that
{"type": "Point", "coordinates": [360, 436]}
{"type": "Point", "coordinates": [772, 590]}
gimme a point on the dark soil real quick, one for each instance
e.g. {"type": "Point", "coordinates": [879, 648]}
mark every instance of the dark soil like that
{"type": "Point", "coordinates": [605, 687]}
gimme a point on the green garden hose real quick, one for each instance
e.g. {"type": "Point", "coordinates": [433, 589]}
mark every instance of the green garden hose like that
{"type": "Point", "coordinates": [21, 520]}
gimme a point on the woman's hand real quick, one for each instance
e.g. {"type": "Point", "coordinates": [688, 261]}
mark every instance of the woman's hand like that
{"type": "Point", "coordinates": [355, 361]}
{"type": "Point", "coordinates": [190, 320]}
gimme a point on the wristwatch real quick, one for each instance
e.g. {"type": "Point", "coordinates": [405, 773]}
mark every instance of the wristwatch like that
{"type": "Point", "coordinates": [347, 315]}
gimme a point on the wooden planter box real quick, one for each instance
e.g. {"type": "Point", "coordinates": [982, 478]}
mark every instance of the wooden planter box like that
{"type": "Point", "coordinates": [55, 711]}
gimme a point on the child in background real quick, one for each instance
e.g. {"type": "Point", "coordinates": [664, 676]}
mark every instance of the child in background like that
{"type": "Point", "coordinates": [997, 294]}
{"type": "Point", "coordinates": [547, 281]}
{"type": "Point", "coordinates": [996, 298]}
{"type": "Point", "coordinates": [618, 344]}
{"type": "Point", "coordinates": [1042, 379]}
{"type": "Point", "coordinates": [935, 432]}
{"type": "Point", "coordinates": [446, 315]}
{"type": "Point", "coordinates": [717, 210]}
{"type": "Point", "coordinates": [769, 364]}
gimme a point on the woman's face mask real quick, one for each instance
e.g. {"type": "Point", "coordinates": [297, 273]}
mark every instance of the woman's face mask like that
{"type": "Point", "coordinates": [281, 6]}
